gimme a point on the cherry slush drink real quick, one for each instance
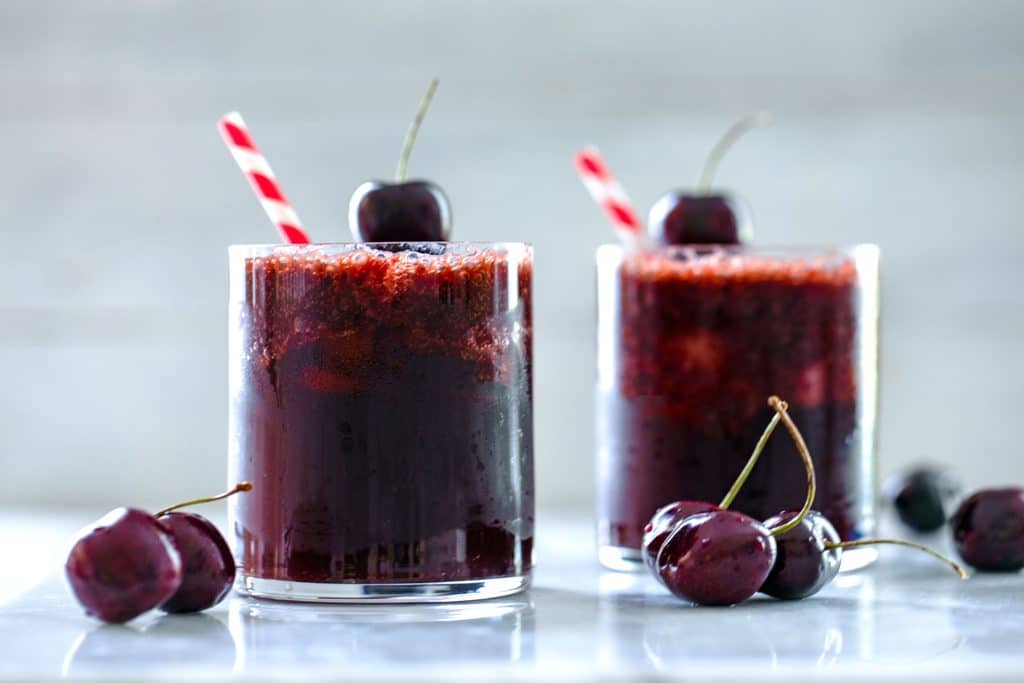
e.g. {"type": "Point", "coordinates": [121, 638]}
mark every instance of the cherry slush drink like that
{"type": "Point", "coordinates": [381, 406]}
{"type": "Point", "coordinates": [692, 341]}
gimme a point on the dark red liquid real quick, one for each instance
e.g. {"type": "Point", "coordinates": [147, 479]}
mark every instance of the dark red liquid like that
{"type": "Point", "coordinates": [699, 346]}
{"type": "Point", "coordinates": [383, 413]}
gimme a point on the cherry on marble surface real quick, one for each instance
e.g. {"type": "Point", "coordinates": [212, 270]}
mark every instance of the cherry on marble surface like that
{"type": "Point", "coordinates": [123, 565]}
{"type": "Point", "coordinates": [208, 568]}
{"type": "Point", "coordinates": [661, 525]}
{"type": "Point", "coordinates": [923, 497]}
{"type": "Point", "coordinates": [717, 558]}
{"type": "Point", "coordinates": [808, 556]}
{"type": "Point", "coordinates": [811, 553]}
{"type": "Point", "coordinates": [988, 529]}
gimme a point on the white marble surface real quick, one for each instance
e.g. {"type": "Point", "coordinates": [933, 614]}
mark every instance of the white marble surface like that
{"type": "Point", "coordinates": [907, 617]}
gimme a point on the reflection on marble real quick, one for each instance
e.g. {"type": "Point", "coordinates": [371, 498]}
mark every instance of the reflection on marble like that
{"type": "Point", "coordinates": [905, 615]}
{"type": "Point", "coordinates": [167, 642]}
{"type": "Point", "coordinates": [270, 636]}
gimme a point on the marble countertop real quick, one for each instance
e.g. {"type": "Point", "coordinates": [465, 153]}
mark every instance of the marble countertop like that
{"type": "Point", "coordinates": [905, 617]}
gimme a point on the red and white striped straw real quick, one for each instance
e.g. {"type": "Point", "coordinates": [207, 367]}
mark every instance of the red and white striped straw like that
{"type": "Point", "coordinates": [255, 167]}
{"type": "Point", "coordinates": [608, 194]}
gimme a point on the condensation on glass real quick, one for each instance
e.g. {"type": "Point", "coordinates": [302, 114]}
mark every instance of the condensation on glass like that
{"type": "Point", "coordinates": [381, 405]}
{"type": "Point", "coordinates": [692, 341]}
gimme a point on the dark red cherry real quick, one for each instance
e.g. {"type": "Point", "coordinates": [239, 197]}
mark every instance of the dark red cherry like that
{"type": "Point", "coordinates": [804, 563]}
{"type": "Point", "coordinates": [414, 211]}
{"type": "Point", "coordinates": [703, 216]}
{"type": "Point", "coordinates": [923, 497]}
{"type": "Point", "coordinates": [988, 529]}
{"type": "Point", "coordinates": [207, 564]}
{"type": "Point", "coordinates": [687, 218]}
{"type": "Point", "coordinates": [402, 211]}
{"type": "Point", "coordinates": [717, 558]}
{"type": "Point", "coordinates": [661, 525]}
{"type": "Point", "coordinates": [123, 565]}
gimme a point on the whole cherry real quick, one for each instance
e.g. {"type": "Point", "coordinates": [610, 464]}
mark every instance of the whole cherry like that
{"type": "Point", "coordinates": [403, 211]}
{"type": "Point", "coordinates": [811, 553]}
{"type": "Point", "coordinates": [988, 529]}
{"type": "Point", "coordinates": [723, 557]}
{"type": "Point", "coordinates": [704, 217]}
{"type": "Point", "coordinates": [665, 519]}
{"type": "Point", "coordinates": [208, 568]}
{"type": "Point", "coordinates": [663, 522]}
{"type": "Point", "coordinates": [716, 558]}
{"type": "Point", "coordinates": [808, 556]}
{"type": "Point", "coordinates": [922, 497]}
{"type": "Point", "coordinates": [125, 564]}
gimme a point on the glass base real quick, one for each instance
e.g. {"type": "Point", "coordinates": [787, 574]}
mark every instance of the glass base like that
{"type": "Point", "coordinates": [621, 559]}
{"type": "Point", "coordinates": [370, 593]}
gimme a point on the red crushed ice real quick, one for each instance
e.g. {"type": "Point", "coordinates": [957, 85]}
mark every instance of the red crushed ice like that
{"type": "Point", "coordinates": [363, 306]}
{"type": "Point", "coordinates": [715, 334]}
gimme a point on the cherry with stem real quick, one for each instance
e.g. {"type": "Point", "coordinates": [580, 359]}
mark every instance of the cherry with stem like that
{"type": "Point", "coordinates": [703, 216]}
{"type": "Point", "coordinates": [781, 415]}
{"type": "Point", "coordinates": [665, 519]}
{"type": "Point", "coordinates": [906, 544]}
{"type": "Point", "coordinates": [725, 143]}
{"type": "Point", "coordinates": [810, 555]}
{"type": "Point", "coordinates": [414, 129]}
{"type": "Point", "coordinates": [403, 211]}
{"type": "Point", "coordinates": [208, 566]}
{"type": "Point", "coordinates": [722, 557]}
{"type": "Point", "coordinates": [237, 488]}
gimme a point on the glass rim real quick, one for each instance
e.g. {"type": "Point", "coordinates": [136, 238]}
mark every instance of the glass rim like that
{"type": "Point", "coordinates": [268, 248]}
{"type": "Point", "coordinates": [759, 248]}
{"type": "Point", "coordinates": [698, 252]}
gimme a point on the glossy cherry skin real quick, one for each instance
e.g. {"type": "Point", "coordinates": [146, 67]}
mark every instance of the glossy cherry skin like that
{"type": "Point", "coordinates": [804, 563]}
{"type": "Point", "coordinates": [123, 565]}
{"type": "Point", "coordinates": [922, 498]}
{"type": "Point", "coordinates": [988, 530]}
{"type": "Point", "coordinates": [207, 564]}
{"type": "Point", "coordinates": [661, 525]}
{"type": "Point", "coordinates": [716, 558]}
{"type": "Point", "coordinates": [414, 211]}
{"type": "Point", "coordinates": [682, 218]}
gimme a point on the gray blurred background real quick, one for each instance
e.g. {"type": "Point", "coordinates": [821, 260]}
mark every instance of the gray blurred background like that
{"type": "Point", "coordinates": [900, 123]}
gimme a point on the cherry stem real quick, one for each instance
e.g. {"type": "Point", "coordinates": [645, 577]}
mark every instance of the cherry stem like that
{"type": "Point", "coordinates": [749, 467]}
{"type": "Point", "coordinates": [781, 407]}
{"type": "Point", "coordinates": [735, 132]}
{"type": "Point", "coordinates": [237, 488]}
{"type": "Point", "coordinates": [414, 129]}
{"type": "Point", "coordinates": [892, 541]}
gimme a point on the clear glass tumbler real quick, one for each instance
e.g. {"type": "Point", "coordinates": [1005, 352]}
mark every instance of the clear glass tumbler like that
{"type": "Point", "coordinates": [691, 343]}
{"type": "Point", "coordinates": [381, 405]}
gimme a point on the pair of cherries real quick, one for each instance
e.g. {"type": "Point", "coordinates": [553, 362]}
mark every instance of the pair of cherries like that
{"type": "Point", "coordinates": [130, 562]}
{"type": "Point", "coordinates": [710, 555]}
{"type": "Point", "coordinates": [419, 211]}
{"type": "Point", "coordinates": [987, 526]}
